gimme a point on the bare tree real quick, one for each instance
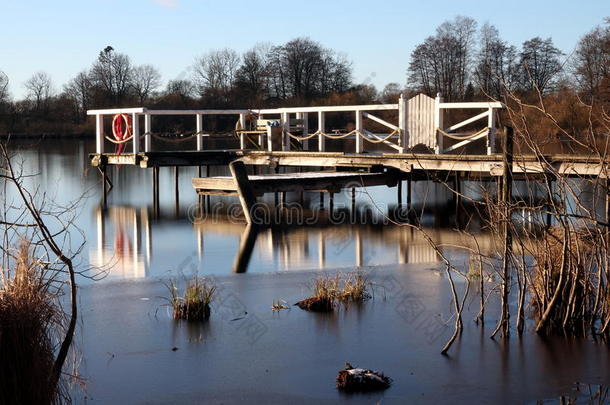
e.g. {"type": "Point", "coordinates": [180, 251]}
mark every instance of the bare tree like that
{"type": "Point", "coordinates": [442, 62]}
{"type": "Point", "coordinates": [591, 64]}
{"type": "Point", "coordinates": [303, 69]}
{"type": "Point", "coordinates": [497, 68]}
{"type": "Point", "coordinates": [111, 73]}
{"type": "Point", "coordinates": [540, 65]}
{"type": "Point", "coordinates": [252, 77]}
{"type": "Point", "coordinates": [180, 87]}
{"type": "Point", "coordinates": [145, 80]}
{"type": "Point", "coordinates": [40, 88]}
{"type": "Point", "coordinates": [79, 91]}
{"type": "Point", "coordinates": [4, 95]}
{"type": "Point", "coordinates": [215, 73]}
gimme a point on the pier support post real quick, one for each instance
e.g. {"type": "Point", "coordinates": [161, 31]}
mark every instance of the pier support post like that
{"type": "Point", "coordinates": [104, 185]}
{"type": "Point", "coordinates": [399, 194]}
{"type": "Point", "coordinates": [246, 195]}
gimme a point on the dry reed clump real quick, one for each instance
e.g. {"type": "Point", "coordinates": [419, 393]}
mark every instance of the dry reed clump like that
{"type": "Point", "coordinates": [194, 304]}
{"type": "Point", "coordinates": [327, 291]}
{"type": "Point", "coordinates": [30, 322]}
{"type": "Point", "coordinates": [568, 287]}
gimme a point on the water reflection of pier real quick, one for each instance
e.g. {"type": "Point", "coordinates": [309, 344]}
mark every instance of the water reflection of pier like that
{"type": "Point", "coordinates": [124, 255]}
{"type": "Point", "coordinates": [124, 241]}
{"type": "Point", "coordinates": [291, 247]}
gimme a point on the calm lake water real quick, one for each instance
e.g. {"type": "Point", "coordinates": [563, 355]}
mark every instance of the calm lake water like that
{"type": "Point", "coordinates": [131, 350]}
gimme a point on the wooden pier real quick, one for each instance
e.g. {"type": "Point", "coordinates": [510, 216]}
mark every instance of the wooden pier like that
{"type": "Point", "coordinates": [298, 137]}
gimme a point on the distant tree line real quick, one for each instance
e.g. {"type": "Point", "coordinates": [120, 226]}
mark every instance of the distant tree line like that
{"type": "Point", "coordinates": [462, 64]}
{"type": "Point", "coordinates": [459, 61]}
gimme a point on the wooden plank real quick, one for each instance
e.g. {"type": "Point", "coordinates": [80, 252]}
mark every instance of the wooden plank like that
{"type": "Point", "coordinates": [344, 108]}
{"type": "Point", "coordinates": [468, 121]}
{"type": "Point", "coordinates": [381, 121]}
{"type": "Point", "coordinates": [308, 181]}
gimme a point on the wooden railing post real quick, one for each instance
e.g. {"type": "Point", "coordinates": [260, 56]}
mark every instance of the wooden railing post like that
{"type": "Point", "coordinates": [199, 126]}
{"type": "Point", "coordinates": [491, 136]}
{"type": "Point", "coordinates": [285, 129]}
{"type": "Point", "coordinates": [135, 123]}
{"type": "Point", "coordinates": [305, 118]}
{"type": "Point", "coordinates": [403, 137]}
{"type": "Point", "coordinates": [359, 140]}
{"type": "Point", "coordinates": [438, 123]}
{"type": "Point", "coordinates": [99, 133]}
{"type": "Point", "coordinates": [242, 136]}
{"type": "Point", "coordinates": [321, 129]}
{"type": "Point", "coordinates": [147, 133]}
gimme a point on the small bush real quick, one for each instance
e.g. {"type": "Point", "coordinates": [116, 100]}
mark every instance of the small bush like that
{"type": "Point", "coordinates": [194, 304]}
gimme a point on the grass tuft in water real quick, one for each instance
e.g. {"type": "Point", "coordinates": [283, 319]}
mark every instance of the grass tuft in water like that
{"type": "Point", "coordinates": [194, 303]}
{"type": "Point", "coordinates": [327, 291]}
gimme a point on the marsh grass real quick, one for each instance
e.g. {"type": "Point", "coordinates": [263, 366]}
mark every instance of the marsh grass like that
{"type": "Point", "coordinates": [327, 291]}
{"type": "Point", "coordinates": [568, 292]}
{"type": "Point", "coordinates": [194, 303]}
{"type": "Point", "coordinates": [31, 322]}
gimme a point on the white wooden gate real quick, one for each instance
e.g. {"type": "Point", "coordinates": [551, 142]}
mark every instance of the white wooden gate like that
{"type": "Point", "coordinates": [420, 121]}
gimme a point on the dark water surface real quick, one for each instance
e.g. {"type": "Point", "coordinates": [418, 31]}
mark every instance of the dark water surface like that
{"type": "Point", "coordinates": [248, 353]}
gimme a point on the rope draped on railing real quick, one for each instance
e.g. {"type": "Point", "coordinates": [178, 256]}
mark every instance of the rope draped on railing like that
{"type": "Point", "coordinates": [175, 140]}
{"type": "Point", "coordinates": [341, 136]}
{"type": "Point", "coordinates": [462, 137]}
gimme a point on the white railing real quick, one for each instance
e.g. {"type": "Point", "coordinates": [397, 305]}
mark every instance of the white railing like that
{"type": "Point", "coordinates": [420, 121]}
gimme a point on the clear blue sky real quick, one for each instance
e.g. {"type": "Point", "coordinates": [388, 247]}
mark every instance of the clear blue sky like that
{"type": "Point", "coordinates": [64, 37]}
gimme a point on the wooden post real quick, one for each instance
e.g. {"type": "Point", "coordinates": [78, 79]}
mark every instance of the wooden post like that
{"type": "Point", "coordinates": [285, 121]}
{"type": "Point", "coordinates": [331, 202]}
{"type": "Point", "coordinates": [399, 194]}
{"type": "Point", "coordinates": [135, 123]}
{"type": "Point", "coordinates": [305, 118]}
{"type": "Point", "coordinates": [147, 133]}
{"type": "Point", "coordinates": [242, 136]}
{"type": "Point", "coordinates": [99, 134]}
{"type": "Point", "coordinates": [321, 129]}
{"type": "Point", "coordinates": [246, 195]}
{"type": "Point", "coordinates": [438, 123]}
{"type": "Point", "coordinates": [403, 137]}
{"type": "Point", "coordinates": [359, 140]}
{"type": "Point", "coordinates": [199, 132]}
{"type": "Point", "coordinates": [491, 136]}
{"type": "Point", "coordinates": [104, 185]}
